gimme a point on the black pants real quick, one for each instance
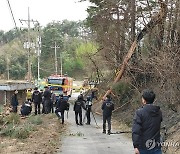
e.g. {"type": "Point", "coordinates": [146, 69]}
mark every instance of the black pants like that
{"type": "Point", "coordinates": [47, 108]}
{"type": "Point", "coordinates": [80, 117]}
{"type": "Point", "coordinates": [108, 119]}
{"type": "Point", "coordinates": [62, 114]}
{"type": "Point", "coordinates": [51, 107]}
{"type": "Point", "coordinates": [37, 107]}
{"type": "Point", "coordinates": [14, 109]}
{"type": "Point", "coordinates": [29, 100]}
{"type": "Point", "coordinates": [88, 116]}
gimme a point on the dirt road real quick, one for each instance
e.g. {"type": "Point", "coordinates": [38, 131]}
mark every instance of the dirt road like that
{"type": "Point", "coordinates": [88, 139]}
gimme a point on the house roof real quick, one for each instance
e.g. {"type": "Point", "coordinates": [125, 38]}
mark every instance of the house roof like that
{"type": "Point", "coordinates": [10, 85]}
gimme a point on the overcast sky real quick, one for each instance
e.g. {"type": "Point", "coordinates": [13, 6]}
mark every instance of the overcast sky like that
{"type": "Point", "coordinates": [43, 11]}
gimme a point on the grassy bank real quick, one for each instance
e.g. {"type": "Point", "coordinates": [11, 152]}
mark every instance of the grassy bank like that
{"type": "Point", "coordinates": [34, 134]}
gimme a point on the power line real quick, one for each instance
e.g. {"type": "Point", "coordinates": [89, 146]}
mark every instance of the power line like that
{"type": "Point", "coordinates": [12, 14]}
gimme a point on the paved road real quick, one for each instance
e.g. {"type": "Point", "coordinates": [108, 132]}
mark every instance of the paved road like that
{"type": "Point", "coordinates": [88, 139]}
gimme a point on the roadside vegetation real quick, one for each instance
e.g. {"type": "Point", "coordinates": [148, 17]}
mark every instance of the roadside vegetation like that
{"type": "Point", "coordinates": [41, 133]}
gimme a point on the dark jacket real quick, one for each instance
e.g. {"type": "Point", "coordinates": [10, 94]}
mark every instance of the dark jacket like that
{"type": "Point", "coordinates": [78, 105]}
{"type": "Point", "coordinates": [14, 100]}
{"type": "Point", "coordinates": [107, 107]}
{"type": "Point", "coordinates": [26, 109]}
{"type": "Point", "coordinates": [146, 125]}
{"type": "Point", "coordinates": [61, 104]}
{"type": "Point", "coordinates": [47, 94]}
{"type": "Point", "coordinates": [36, 97]}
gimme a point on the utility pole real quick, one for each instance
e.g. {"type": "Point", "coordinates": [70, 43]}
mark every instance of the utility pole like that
{"type": "Point", "coordinates": [55, 58]}
{"type": "Point", "coordinates": [61, 63]}
{"type": "Point", "coordinates": [28, 44]}
{"type": "Point", "coordinates": [29, 49]}
{"type": "Point", "coordinates": [7, 67]}
{"type": "Point", "coordinates": [38, 54]}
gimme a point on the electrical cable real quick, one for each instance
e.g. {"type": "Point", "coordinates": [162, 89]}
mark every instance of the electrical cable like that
{"type": "Point", "coordinates": [12, 14]}
{"type": "Point", "coordinates": [10, 8]}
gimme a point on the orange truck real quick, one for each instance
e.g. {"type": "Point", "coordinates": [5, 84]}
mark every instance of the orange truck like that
{"type": "Point", "coordinates": [60, 84]}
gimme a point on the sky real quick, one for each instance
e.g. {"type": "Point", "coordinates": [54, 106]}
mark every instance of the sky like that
{"type": "Point", "coordinates": [44, 11]}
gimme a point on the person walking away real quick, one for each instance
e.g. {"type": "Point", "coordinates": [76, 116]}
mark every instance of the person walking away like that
{"type": "Point", "coordinates": [66, 97]}
{"type": "Point", "coordinates": [14, 101]}
{"type": "Point", "coordinates": [88, 110]}
{"type": "Point", "coordinates": [37, 99]}
{"type": "Point", "coordinates": [107, 107]}
{"type": "Point", "coordinates": [78, 105]}
{"type": "Point", "coordinates": [26, 108]}
{"type": "Point", "coordinates": [146, 126]}
{"type": "Point", "coordinates": [47, 100]}
{"type": "Point", "coordinates": [61, 106]}
{"type": "Point", "coordinates": [29, 95]}
{"type": "Point", "coordinates": [53, 101]}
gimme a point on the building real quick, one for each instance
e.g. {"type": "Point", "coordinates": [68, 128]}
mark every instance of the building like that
{"type": "Point", "coordinates": [7, 88]}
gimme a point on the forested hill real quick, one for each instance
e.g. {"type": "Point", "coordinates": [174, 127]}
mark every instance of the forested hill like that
{"type": "Point", "coordinates": [71, 39]}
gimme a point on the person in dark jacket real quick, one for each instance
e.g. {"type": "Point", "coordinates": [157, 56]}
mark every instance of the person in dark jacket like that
{"type": "Point", "coordinates": [14, 101]}
{"type": "Point", "coordinates": [88, 110]}
{"type": "Point", "coordinates": [37, 99]}
{"type": "Point", "coordinates": [26, 109]}
{"type": "Point", "coordinates": [78, 105]}
{"type": "Point", "coordinates": [107, 107]}
{"type": "Point", "coordinates": [61, 106]}
{"type": "Point", "coordinates": [146, 126]}
{"type": "Point", "coordinates": [47, 100]}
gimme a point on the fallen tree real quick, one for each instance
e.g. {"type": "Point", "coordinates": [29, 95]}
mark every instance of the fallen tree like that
{"type": "Point", "coordinates": [147, 29]}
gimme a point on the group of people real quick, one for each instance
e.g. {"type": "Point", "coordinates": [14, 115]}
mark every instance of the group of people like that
{"type": "Point", "coordinates": [47, 98]}
{"type": "Point", "coordinates": [107, 107]}
{"type": "Point", "coordinates": [146, 122]}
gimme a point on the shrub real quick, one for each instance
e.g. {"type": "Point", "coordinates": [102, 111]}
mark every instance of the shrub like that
{"type": "Point", "coordinates": [36, 120]}
{"type": "Point", "coordinates": [20, 132]}
{"type": "Point", "coordinates": [123, 90]}
{"type": "Point", "coordinates": [1, 120]}
{"type": "Point", "coordinates": [12, 118]}
{"type": "Point", "coordinates": [7, 130]}
{"type": "Point", "coordinates": [1, 108]}
{"type": "Point", "coordinates": [122, 87]}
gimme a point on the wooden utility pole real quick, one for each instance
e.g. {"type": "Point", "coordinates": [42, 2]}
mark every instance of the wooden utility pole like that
{"type": "Point", "coordinates": [38, 54]}
{"type": "Point", "coordinates": [29, 44]}
{"type": "Point", "coordinates": [29, 49]}
{"type": "Point", "coordinates": [55, 58]}
{"type": "Point", "coordinates": [61, 64]}
{"type": "Point", "coordinates": [7, 67]}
